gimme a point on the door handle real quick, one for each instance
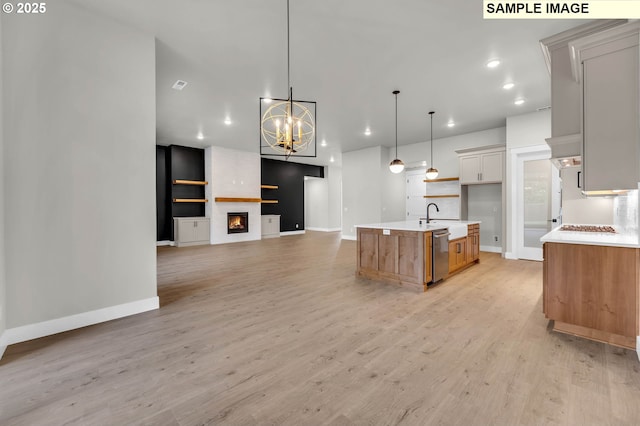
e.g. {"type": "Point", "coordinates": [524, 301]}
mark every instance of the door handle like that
{"type": "Point", "coordinates": [579, 184]}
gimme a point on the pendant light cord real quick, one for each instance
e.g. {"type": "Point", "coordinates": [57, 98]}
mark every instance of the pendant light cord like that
{"type": "Point", "coordinates": [396, 124]}
{"type": "Point", "coordinates": [288, 51]}
{"type": "Point", "coordinates": [431, 114]}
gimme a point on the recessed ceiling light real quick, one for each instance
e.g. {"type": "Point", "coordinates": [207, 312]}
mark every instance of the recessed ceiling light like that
{"type": "Point", "coordinates": [508, 86]}
{"type": "Point", "coordinates": [227, 121]}
{"type": "Point", "coordinates": [367, 131]}
{"type": "Point", "coordinates": [179, 85]}
{"type": "Point", "coordinates": [518, 101]}
{"type": "Point", "coordinates": [493, 63]}
{"type": "Point", "coordinates": [451, 123]}
{"type": "Point", "coordinates": [323, 143]}
{"type": "Point", "coordinates": [200, 136]}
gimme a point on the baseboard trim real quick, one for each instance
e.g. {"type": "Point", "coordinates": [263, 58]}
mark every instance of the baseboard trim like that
{"type": "Point", "coordinates": [59, 325]}
{"type": "Point", "coordinates": [285, 233]}
{"type": "Point", "coordinates": [638, 347]}
{"type": "Point", "coordinates": [164, 243]}
{"type": "Point", "coordinates": [491, 249]}
{"type": "Point", "coordinates": [349, 237]}
{"type": "Point", "coordinates": [510, 255]}
{"type": "Point", "coordinates": [324, 229]}
{"type": "Point", "coordinates": [3, 343]}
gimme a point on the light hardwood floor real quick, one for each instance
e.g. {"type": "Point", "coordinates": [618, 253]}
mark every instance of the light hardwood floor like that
{"type": "Point", "coordinates": [281, 331]}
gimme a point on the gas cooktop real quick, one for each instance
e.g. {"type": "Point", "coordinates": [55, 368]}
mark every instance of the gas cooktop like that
{"type": "Point", "coordinates": [588, 228]}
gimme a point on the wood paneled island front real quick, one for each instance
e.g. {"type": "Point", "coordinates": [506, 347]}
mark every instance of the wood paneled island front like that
{"type": "Point", "coordinates": [401, 253]}
{"type": "Point", "coordinates": [402, 257]}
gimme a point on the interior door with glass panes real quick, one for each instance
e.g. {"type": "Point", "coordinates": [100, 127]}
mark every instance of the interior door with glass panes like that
{"type": "Point", "coordinates": [416, 190]}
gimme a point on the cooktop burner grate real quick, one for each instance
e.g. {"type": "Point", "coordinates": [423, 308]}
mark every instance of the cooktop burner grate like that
{"type": "Point", "coordinates": [588, 228]}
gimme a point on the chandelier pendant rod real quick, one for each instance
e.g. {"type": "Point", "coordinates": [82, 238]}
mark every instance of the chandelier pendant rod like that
{"type": "Point", "coordinates": [288, 51]}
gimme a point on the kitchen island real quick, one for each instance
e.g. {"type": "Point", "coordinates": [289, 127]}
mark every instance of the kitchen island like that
{"type": "Point", "coordinates": [591, 285]}
{"type": "Point", "coordinates": [402, 253]}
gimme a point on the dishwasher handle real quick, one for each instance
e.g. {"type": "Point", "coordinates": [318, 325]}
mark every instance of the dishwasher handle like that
{"type": "Point", "coordinates": [446, 234]}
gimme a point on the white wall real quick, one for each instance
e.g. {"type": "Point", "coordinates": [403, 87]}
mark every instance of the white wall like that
{"type": "Point", "coordinates": [333, 174]}
{"type": "Point", "coordinates": [3, 180]}
{"type": "Point", "coordinates": [445, 158]}
{"type": "Point", "coordinates": [371, 193]}
{"type": "Point", "coordinates": [361, 189]}
{"type": "Point", "coordinates": [393, 190]}
{"type": "Point", "coordinates": [576, 208]}
{"type": "Point", "coordinates": [236, 174]}
{"type": "Point", "coordinates": [485, 204]}
{"type": "Point", "coordinates": [79, 123]}
{"type": "Point", "coordinates": [316, 204]}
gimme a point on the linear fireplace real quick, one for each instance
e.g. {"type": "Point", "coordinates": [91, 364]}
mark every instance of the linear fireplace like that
{"type": "Point", "coordinates": [237, 222]}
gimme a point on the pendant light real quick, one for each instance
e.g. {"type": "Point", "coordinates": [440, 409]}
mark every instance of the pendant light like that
{"type": "Point", "coordinates": [396, 166]}
{"type": "Point", "coordinates": [432, 172]}
{"type": "Point", "coordinates": [287, 127]}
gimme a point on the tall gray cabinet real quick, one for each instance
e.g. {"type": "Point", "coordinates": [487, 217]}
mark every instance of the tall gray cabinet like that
{"type": "Point", "coordinates": [606, 66]}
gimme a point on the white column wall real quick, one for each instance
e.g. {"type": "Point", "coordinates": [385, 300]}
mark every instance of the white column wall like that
{"type": "Point", "coordinates": [234, 174]}
{"type": "Point", "coordinates": [79, 169]}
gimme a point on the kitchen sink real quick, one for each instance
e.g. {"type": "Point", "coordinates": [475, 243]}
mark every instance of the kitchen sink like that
{"type": "Point", "coordinates": [456, 230]}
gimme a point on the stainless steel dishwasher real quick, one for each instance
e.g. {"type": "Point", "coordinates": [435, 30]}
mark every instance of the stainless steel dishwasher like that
{"type": "Point", "coordinates": [440, 254]}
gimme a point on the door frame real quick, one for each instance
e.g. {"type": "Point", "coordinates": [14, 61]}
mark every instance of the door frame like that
{"type": "Point", "coordinates": [517, 158]}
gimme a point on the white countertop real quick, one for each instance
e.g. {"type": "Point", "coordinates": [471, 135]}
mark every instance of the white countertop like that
{"type": "Point", "coordinates": [414, 225]}
{"type": "Point", "coordinates": [619, 239]}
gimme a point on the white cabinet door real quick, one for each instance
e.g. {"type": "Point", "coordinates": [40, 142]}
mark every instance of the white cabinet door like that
{"type": "Point", "coordinates": [201, 230]}
{"type": "Point", "coordinates": [491, 171]}
{"type": "Point", "coordinates": [470, 169]}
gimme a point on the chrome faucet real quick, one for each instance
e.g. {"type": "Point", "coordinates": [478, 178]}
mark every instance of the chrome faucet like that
{"type": "Point", "coordinates": [429, 205]}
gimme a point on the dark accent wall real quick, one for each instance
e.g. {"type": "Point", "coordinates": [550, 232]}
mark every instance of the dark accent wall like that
{"type": "Point", "coordinates": [289, 177]}
{"type": "Point", "coordinates": [177, 162]}
{"type": "Point", "coordinates": [163, 194]}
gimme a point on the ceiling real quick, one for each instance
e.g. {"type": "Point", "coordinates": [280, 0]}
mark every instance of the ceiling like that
{"type": "Point", "coordinates": [346, 55]}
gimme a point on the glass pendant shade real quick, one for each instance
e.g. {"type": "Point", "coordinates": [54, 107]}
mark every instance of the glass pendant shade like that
{"type": "Point", "coordinates": [396, 166]}
{"type": "Point", "coordinates": [432, 173]}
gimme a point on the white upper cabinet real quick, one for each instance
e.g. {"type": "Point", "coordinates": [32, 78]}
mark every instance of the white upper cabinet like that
{"type": "Point", "coordinates": [566, 130]}
{"type": "Point", "coordinates": [484, 165]}
{"type": "Point", "coordinates": [606, 65]}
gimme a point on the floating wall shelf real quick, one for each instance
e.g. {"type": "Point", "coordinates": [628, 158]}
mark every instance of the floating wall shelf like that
{"type": "Point", "coordinates": [269, 201]}
{"type": "Point", "coordinates": [269, 186]}
{"type": "Point", "coordinates": [237, 200]}
{"type": "Point", "coordinates": [442, 196]}
{"type": "Point", "coordinates": [442, 179]}
{"type": "Point", "coordinates": [189, 182]}
{"type": "Point", "coordinates": [190, 200]}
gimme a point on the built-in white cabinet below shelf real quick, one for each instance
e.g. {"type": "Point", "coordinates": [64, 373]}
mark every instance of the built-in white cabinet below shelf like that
{"type": "Point", "coordinates": [270, 225]}
{"type": "Point", "coordinates": [191, 231]}
{"type": "Point", "coordinates": [481, 165]}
